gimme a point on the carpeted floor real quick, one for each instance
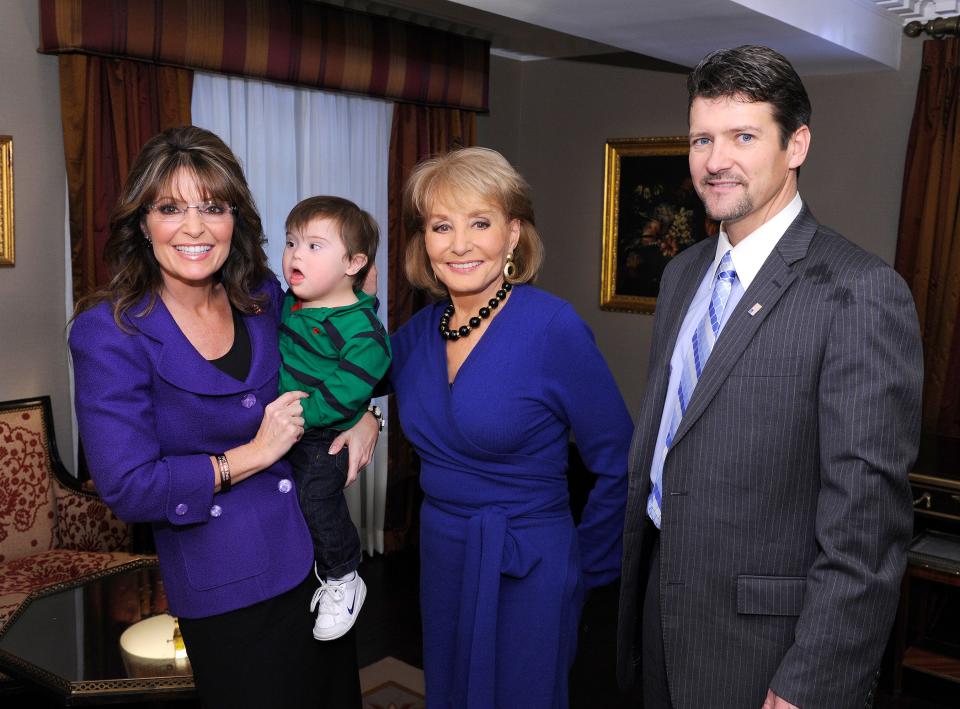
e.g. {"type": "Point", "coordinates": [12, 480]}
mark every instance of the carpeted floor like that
{"type": "Point", "coordinates": [392, 684]}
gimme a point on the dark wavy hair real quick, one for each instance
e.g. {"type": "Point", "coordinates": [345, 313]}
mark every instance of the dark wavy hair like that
{"type": "Point", "coordinates": [129, 256]}
{"type": "Point", "coordinates": [755, 74]}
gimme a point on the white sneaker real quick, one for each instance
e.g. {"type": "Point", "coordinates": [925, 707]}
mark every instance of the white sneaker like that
{"type": "Point", "coordinates": [339, 601]}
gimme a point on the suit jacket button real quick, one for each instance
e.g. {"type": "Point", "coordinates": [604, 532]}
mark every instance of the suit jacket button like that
{"type": "Point", "coordinates": [216, 511]}
{"type": "Point", "coordinates": [284, 486]}
{"type": "Point", "coordinates": [248, 400]}
{"type": "Point", "coordinates": [181, 509]}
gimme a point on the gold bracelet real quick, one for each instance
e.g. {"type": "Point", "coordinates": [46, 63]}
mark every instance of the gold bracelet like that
{"type": "Point", "coordinates": [224, 472]}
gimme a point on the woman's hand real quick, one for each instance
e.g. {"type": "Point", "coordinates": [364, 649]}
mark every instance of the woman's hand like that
{"type": "Point", "coordinates": [774, 702]}
{"type": "Point", "coordinates": [360, 440]}
{"type": "Point", "coordinates": [281, 427]}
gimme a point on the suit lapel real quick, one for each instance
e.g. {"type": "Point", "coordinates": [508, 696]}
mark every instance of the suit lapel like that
{"type": "Point", "coordinates": [670, 309]}
{"type": "Point", "coordinates": [772, 281]}
{"type": "Point", "coordinates": [690, 277]}
{"type": "Point", "coordinates": [265, 359]}
{"type": "Point", "coordinates": [180, 364]}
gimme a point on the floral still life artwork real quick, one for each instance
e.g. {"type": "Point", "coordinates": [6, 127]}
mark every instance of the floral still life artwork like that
{"type": "Point", "coordinates": [651, 213]}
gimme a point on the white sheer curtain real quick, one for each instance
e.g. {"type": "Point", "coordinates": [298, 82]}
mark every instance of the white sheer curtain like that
{"type": "Point", "coordinates": [295, 143]}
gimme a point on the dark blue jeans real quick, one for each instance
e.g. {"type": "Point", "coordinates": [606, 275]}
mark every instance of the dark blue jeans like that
{"type": "Point", "coordinates": [320, 479]}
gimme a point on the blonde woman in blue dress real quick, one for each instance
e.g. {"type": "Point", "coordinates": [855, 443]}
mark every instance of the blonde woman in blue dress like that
{"type": "Point", "coordinates": [490, 384]}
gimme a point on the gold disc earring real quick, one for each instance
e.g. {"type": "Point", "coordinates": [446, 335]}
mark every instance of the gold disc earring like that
{"type": "Point", "coordinates": [509, 268]}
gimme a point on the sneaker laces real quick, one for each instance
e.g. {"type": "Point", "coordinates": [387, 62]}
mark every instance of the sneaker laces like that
{"type": "Point", "coordinates": [328, 596]}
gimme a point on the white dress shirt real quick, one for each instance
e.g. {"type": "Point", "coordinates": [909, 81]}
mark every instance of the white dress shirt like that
{"type": "Point", "coordinates": [748, 256]}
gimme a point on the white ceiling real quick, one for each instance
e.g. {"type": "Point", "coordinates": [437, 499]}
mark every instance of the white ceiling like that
{"type": "Point", "coordinates": [818, 36]}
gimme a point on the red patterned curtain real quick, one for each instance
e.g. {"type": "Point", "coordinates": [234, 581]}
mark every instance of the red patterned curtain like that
{"type": "Point", "coordinates": [418, 132]}
{"type": "Point", "coordinates": [286, 41]}
{"type": "Point", "coordinates": [928, 245]}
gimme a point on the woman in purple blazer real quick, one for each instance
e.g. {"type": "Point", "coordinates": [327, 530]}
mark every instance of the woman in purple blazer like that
{"type": "Point", "coordinates": [176, 366]}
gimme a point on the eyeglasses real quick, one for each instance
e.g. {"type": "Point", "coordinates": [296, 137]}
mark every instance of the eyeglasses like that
{"type": "Point", "coordinates": [210, 211]}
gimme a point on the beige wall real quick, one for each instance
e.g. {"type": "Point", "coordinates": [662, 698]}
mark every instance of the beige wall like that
{"type": "Point", "coordinates": [500, 128]}
{"type": "Point", "coordinates": [33, 355]}
{"type": "Point", "coordinates": [567, 110]}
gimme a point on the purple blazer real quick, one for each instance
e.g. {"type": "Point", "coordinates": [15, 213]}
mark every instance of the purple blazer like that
{"type": "Point", "coordinates": [151, 410]}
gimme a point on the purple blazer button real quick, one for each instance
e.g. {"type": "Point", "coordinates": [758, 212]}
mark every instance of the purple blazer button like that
{"type": "Point", "coordinates": [181, 509]}
{"type": "Point", "coordinates": [248, 400]}
{"type": "Point", "coordinates": [284, 486]}
{"type": "Point", "coordinates": [216, 511]}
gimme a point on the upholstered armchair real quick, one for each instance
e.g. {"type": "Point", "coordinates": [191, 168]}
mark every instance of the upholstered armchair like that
{"type": "Point", "coordinates": [52, 531]}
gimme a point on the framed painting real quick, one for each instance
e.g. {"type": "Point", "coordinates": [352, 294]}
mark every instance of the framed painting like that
{"type": "Point", "coordinates": [6, 200]}
{"type": "Point", "coordinates": [650, 214]}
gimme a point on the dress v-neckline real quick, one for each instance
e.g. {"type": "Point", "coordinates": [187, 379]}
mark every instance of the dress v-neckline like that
{"type": "Point", "coordinates": [444, 361]}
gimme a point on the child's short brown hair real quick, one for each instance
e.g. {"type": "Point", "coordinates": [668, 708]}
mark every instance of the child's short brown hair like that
{"type": "Point", "coordinates": [358, 230]}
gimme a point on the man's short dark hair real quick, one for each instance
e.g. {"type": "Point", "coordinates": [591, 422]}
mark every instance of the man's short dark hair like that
{"type": "Point", "coordinates": [358, 230]}
{"type": "Point", "coordinates": [755, 74]}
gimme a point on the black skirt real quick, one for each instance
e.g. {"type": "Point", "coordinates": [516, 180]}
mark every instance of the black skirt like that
{"type": "Point", "coordinates": [265, 655]}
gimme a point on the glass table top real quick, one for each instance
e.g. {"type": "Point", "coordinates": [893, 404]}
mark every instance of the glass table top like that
{"type": "Point", "coordinates": [68, 639]}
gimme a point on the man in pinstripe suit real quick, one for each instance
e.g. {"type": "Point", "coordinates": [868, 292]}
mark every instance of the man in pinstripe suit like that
{"type": "Point", "coordinates": [769, 510]}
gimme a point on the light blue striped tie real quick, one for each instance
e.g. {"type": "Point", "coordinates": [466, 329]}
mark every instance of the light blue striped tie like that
{"type": "Point", "coordinates": [694, 359]}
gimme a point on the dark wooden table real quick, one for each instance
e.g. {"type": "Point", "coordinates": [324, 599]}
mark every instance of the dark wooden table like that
{"type": "Point", "coordinates": [926, 638]}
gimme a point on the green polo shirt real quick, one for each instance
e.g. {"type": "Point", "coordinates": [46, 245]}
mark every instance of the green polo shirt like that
{"type": "Point", "coordinates": [336, 355]}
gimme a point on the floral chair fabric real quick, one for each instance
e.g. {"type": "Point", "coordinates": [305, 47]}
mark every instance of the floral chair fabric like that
{"type": "Point", "coordinates": [27, 508]}
{"type": "Point", "coordinates": [51, 530]}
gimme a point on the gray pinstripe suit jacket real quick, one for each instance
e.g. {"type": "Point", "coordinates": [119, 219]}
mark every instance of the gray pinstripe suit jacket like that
{"type": "Point", "coordinates": [786, 506]}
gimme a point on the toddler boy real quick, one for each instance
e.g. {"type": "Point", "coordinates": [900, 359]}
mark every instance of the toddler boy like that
{"type": "Point", "coordinates": [334, 348]}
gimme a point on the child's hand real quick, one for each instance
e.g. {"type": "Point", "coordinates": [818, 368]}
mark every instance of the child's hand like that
{"type": "Point", "coordinates": [360, 440]}
{"type": "Point", "coordinates": [370, 282]}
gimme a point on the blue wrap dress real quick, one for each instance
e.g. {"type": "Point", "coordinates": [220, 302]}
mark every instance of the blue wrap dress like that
{"type": "Point", "coordinates": [503, 568]}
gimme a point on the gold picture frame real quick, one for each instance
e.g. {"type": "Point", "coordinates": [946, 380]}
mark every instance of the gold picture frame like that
{"type": "Point", "coordinates": [651, 212]}
{"type": "Point", "coordinates": [6, 200]}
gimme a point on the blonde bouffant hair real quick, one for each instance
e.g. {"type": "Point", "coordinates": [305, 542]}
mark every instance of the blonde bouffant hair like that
{"type": "Point", "coordinates": [454, 178]}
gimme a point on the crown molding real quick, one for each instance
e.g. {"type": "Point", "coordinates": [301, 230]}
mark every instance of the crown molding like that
{"type": "Point", "coordinates": [910, 10]}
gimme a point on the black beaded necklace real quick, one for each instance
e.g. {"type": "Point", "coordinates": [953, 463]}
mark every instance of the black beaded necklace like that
{"type": "Point", "coordinates": [447, 334]}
